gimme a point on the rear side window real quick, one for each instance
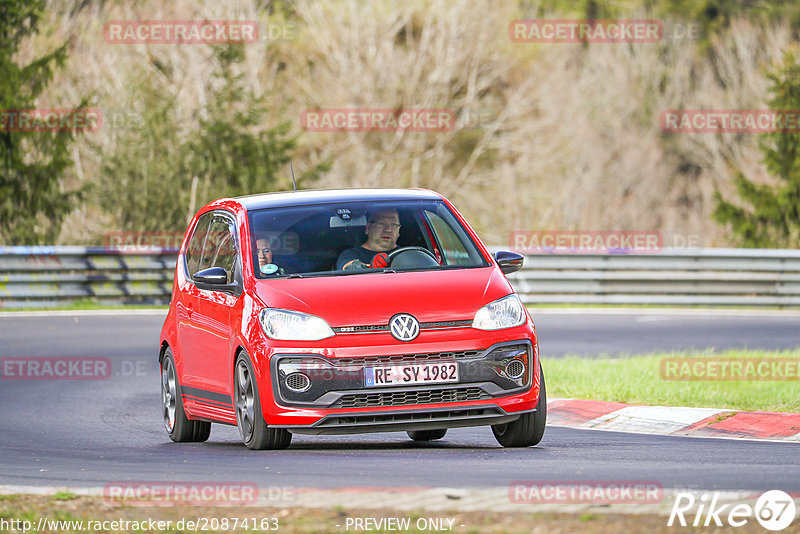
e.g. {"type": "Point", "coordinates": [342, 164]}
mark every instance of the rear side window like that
{"type": "Point", "coordinates": [220, 246]}
{"type": "Point", "coordinates": [195, 248]}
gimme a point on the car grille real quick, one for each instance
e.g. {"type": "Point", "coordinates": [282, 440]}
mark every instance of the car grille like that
{"type": "Point", "coordinates": [360, 329]}
{"type": "Point", "coordinates": [403, 398]}
{"type": "Point", "coordinates": [445, 324]}
{"type": "Point", "coordinates": [400, 359]}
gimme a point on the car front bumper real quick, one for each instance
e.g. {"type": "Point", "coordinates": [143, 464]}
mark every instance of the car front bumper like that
{"type": "Point", "coordinates": [406, 420]}
{"type": "Point", "coordinates": [339, 402]}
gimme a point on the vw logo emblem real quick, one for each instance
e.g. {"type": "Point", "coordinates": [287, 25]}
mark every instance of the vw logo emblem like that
{"type": "Point", "coordinates": [404, 327]}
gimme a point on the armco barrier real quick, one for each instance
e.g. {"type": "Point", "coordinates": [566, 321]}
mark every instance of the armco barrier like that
{"type": "Point", "coordinates": [35, 277]}
{"type": "Point", "coordinates": [48, 276]}
{"type": "Point", "coordinates": [716, 277]}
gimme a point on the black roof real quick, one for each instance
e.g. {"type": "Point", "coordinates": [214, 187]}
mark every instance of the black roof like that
{"type": "Point", "coordinates": [324, 196]}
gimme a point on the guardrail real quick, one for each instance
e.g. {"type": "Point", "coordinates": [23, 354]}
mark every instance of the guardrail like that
{"type": "Point", "coordinates": [694, 277]}
{"type": "Point", "coordinates": [33, 277]}
{"type": "Point", "coordinates": [36, 277]}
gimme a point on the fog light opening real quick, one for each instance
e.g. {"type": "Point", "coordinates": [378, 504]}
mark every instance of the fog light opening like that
{"type": "Point", "coordinates": [298, 382]}
{"type": "Point", "coordinates": [515, 369]}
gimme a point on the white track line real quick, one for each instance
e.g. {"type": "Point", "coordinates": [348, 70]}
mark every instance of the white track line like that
{"type": "Point", "coordinates": [665, 311]}
{"type": "Point", "coordinates": [84, 313]}
{"type": "Point", "coordinates": [538, 311]}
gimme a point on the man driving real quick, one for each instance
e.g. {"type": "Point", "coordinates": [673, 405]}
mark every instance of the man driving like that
{"type": "Point", "coordinates": [383, 229]}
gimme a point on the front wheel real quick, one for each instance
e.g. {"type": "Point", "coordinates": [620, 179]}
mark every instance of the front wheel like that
{"type": "Point", "coordinates": [179, 427]}
{"type": "Point", "coordinates": [529, 428]}
{"type": "Point", "coordinates": [249, 418]}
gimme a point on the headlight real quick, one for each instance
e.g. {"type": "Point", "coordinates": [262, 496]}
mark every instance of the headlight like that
{"type": "Point", "coordinates": [502, 313]}
{"type": "Point", "coordinates": [293, 326]}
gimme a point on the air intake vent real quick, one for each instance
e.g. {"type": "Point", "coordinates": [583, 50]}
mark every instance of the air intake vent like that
{"type": "Point", "coordinates": [401, 359]}
{"type": "Point", "coordinates": [404, 398]}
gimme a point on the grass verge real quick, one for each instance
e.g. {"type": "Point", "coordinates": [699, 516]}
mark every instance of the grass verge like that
{"type": "Point", "coordinates": [74, 516]}
{"type": "Point", "coordinates": [647, 379]}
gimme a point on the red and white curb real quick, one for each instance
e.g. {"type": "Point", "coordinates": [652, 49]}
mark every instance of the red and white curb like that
{"type": "Point", "coordinates": [668, 420]}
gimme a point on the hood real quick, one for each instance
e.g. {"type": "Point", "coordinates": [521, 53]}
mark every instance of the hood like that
{"type": "Point", "coordinates": [373, 298]}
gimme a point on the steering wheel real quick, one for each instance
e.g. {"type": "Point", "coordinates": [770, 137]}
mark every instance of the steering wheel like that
{"type": "Point", "coordinates": [411, 257]}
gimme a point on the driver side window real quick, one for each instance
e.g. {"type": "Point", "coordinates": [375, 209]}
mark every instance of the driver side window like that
{"type": "Point", "coordinates": [220, 248]}
{"type": "Point", "coordinates": [194, 250]}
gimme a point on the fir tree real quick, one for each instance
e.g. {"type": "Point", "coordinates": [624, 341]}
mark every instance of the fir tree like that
{"type": "Point", "coordinates": [32, 164]}
{"type": "Point", "coordinates": [770, 215]}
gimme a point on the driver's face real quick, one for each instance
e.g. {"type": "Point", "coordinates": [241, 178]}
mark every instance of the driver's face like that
{"type": "Point", "coordinates": [382, 230]}
{"type": "Point", "coordinates": [264, 252]}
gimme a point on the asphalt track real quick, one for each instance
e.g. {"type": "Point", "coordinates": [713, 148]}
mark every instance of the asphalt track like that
{"type": "Point", "coordinates": [94, 432]}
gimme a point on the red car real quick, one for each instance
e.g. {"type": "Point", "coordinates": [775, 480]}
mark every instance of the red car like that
{"type": "Point", "coordinates": [349, 311]}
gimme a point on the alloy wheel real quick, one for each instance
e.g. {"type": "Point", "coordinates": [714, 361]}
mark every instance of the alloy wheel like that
{"type": "Point", "coordinates": [245, 401]}
{"type": "Point", "coordinates": [168, 394]}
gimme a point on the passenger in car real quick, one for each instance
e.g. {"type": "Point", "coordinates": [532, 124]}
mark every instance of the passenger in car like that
{"type": "Point", "coordinates": [383, 229]}
{"type": "Point", "coordinates": [264, 252]}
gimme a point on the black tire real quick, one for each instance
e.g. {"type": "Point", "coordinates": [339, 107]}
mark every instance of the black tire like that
{"type": "Point", "coordinates": [427, 435]}
{"type": "Point", "coordinates": [255, 433]}
{"type": "Point", "coordinates": [179, 427]}
{"type": "Point", "coordinates": [529, 428]}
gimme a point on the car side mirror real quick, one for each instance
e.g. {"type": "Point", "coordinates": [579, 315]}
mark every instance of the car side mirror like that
{"type": "Point", "coordinates": [213, 276]}
{"type": "Point", "coordinates": [509, 262]}
{"type": "Point", "coordinates": [216, 279]}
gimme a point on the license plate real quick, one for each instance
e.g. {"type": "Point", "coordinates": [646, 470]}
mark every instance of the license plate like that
{"type": "Point", "coordinates": [404, 375]}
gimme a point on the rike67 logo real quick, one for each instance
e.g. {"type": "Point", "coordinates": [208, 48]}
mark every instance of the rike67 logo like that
{"type": "Point", "coordinates": [774, 510]}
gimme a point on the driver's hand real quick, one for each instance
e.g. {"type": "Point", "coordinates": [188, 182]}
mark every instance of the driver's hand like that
{"type": "Point", "coordinates": [380, 261]}
{"type": "Point", "coordinates": [354, 264]}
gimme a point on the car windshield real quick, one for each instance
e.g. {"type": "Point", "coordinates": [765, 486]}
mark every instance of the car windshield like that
{"type": "Point", "coordinates": [325, 239]}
